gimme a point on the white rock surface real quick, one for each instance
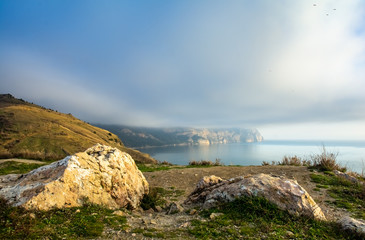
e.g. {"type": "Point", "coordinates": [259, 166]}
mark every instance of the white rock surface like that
{"type": "Point", "coordinates": [285, 193]}
{"type": "Point", "coordinates": [102, 174]}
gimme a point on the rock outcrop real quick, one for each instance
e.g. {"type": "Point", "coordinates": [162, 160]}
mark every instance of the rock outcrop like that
{"type": "Point", "coordinates": [285, 193]}
{"type": "Point", "coordinates": [102, 175]}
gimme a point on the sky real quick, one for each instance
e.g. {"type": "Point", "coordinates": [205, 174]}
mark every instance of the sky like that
{"type": "Point", "coordinates": [291, 69]}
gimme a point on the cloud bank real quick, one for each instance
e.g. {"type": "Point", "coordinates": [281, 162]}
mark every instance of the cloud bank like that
{"type": "Point", "coordinates": [191, 63]}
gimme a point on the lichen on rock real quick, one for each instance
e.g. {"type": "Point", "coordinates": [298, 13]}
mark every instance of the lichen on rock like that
{"type": "Point", "coordinates": [101, 175]}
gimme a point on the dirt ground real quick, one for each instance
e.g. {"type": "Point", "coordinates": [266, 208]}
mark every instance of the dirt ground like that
{"type": "Point", "coordinates": [186, 179]}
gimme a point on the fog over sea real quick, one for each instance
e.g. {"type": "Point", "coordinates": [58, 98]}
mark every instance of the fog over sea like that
{"type": "Point", "coordinates": [350, 153]}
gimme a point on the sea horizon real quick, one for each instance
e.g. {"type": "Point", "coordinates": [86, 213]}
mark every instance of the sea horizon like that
{"type": "Point", "coordinates": [350, 153]}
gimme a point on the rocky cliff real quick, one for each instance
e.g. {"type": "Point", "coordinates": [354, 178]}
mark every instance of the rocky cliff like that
{"type": "Point", "coordinates": [145, 137]}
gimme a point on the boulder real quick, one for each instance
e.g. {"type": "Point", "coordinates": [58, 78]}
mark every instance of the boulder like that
{"type": "Point", "coordinates": [287, 194]}
{"type": "Point", "coordinates": [348, 177]}
{"type": "Point", "coordinates": [100, 175]}
{"type": "Point", "coordinates": [351, 224]}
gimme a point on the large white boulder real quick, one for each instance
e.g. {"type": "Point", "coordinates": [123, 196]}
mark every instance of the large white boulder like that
{"type": "Point", "coordinates": [287, 194]}
{"type": "Point", "coordinates": [102, 175]}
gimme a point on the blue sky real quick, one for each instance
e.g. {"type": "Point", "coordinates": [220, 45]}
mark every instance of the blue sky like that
{"type": "Point", "coordinates": [293, 69]}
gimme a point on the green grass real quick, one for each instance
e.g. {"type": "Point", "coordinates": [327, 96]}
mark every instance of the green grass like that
{"type": "Point", "coordinates": [17, 167]}
{"type": "Point", "coordinates": [256, 218]}
{"type": "Point", "coordinates": [85, 222]}
{"type": "Point", "coordinates": [153, 167]}
{"type": "Point", "coordinates": [347, 195]}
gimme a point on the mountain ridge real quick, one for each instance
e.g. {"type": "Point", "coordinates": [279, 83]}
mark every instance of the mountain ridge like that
{"type": "Point", "coordinates": [139, 137]}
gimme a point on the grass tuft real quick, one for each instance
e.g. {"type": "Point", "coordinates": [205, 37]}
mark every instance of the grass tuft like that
{"type": "Point", "coordinates": [206, 163]}
{"type": "Point", "coordinates": [325, 161]}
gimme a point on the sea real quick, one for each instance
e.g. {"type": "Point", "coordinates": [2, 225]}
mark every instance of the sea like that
{"type": "Point", "coordinates": [350, 154]}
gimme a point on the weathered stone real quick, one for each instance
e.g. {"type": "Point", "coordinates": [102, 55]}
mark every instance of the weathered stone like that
{"type": "Point", "coordinates": [352, 224]}
{"type": "Point", "coordinates": [285, 193]}
{"type": "Point", "coordinates": [174, 208]}
{"type": "Point", "coordinates": [101, 175]}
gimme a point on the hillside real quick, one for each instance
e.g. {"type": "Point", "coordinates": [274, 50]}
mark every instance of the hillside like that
{"type": "Point", "coordinates": [147, 137]}
{"type": "Point", "coordinates": [31, 131]}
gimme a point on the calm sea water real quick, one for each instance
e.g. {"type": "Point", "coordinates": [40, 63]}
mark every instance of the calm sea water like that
{"type": "Point", "coordinates": [350, 153]}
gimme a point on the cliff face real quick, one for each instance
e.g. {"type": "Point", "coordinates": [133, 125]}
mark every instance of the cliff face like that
{"type": "Point", "coordinates": [144, 137]}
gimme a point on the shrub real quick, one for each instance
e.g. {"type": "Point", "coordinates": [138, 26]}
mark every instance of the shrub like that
{"type": "Point", "coordinates": [326, 161]}
{"type": "Point", "coordinates": [206, 163]}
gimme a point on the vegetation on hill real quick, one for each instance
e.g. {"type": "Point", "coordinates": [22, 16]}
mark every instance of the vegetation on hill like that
{"type": "Point", "coordinates": [34, 132]}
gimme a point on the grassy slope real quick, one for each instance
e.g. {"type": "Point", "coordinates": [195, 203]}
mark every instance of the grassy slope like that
{"type": "Point", "coordinates": [30, 131]}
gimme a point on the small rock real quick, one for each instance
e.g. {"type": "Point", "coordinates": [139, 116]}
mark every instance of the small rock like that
{"type": "Point", "coordinates": [149, 210]}
{"type": "Point", "coordinates": [195, 175]}
{"type": "Point", "coordinates": [214, 215]}
{"type": "Point", "coordinates": [145, 221]}
{"type": "Point", "coordinates": [158, 209]}
{"type": "Point", "coordinates": [174, 208]}
{"type": "Point", "coordinates": [118, 212]}
{"type": "Point", "coordinates": [133, 234]}
{"type": "Point", "coordinates": [185, 225]}
{"type": "Point", "coordinates": [193, 211]}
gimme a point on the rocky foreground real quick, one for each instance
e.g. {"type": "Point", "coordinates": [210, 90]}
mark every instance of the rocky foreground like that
{"type": "Point", "coordinates": [106, 176]}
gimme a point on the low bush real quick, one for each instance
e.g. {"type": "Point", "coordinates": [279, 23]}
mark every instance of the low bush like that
{"type": "Point", "coordinates": [206, 163]}
{"type": "Point", "coordinates": [326, 161]}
